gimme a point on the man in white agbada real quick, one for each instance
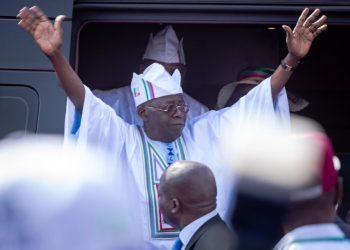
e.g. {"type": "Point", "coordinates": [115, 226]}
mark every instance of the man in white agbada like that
{"type": "Point", "coordinates": [144, 152]}
{"type": "Point", "coordinates": [165, 49]}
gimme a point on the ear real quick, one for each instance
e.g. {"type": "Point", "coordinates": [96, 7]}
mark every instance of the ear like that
{"type": "Point", "coordinates": [142, 112]}
{"type": "Point", "coordinates": [175, 205]}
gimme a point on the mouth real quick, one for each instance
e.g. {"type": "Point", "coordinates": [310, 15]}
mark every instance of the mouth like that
{"type": "Point", "coordinates": [177, 124]}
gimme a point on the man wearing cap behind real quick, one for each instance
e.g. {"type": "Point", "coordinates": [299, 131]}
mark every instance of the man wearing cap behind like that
{"type": "Point", "coordinates": [143, 153]}
{"type": "Point", "coordinates": [309, 222]}
{"type": "Point", "coordinates": [247, 79]}
{"type": "Point", "coordinates": [165, 49]}
{"type": "Point", "coordinates": [187, 199]}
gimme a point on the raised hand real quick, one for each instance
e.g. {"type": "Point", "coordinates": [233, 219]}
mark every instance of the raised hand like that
{"type": "Point", "coordinates": [49, 37]}
{"type": "Point", "coordinates": [306, 30]}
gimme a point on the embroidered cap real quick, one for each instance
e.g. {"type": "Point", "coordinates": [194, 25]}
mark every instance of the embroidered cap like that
{"type": "Point", "coordinates": [165, 47]}
{"type": "Point", "coordinates": [253, 76]}
{"type": "Point", "coordinates": [155, 82]}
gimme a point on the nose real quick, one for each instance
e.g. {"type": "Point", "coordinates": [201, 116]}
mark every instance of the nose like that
{"type": "Point", "coordinates": [179, 113]}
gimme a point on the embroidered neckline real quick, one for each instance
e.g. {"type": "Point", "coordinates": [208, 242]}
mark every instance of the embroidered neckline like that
{"type": "Point", "coordinates": [155, 163]}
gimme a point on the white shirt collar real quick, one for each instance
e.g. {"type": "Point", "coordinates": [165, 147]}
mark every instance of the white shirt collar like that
{"type": "Point", "coordinates": [188, 231]}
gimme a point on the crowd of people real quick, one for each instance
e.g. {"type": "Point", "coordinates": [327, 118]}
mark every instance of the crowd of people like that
{"type": "Point", "coordinates": [169, 159]}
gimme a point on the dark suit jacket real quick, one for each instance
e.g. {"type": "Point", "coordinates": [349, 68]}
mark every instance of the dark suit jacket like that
{"type": "Point", "coordinates": [212, 235]}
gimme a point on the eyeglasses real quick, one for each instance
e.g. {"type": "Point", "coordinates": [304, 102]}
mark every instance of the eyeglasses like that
{"type": "Point", "coordinates": [172, 108]}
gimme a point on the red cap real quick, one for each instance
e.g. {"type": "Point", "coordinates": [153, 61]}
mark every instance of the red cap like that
{"type": "Point", "coordinates": [328, 173]}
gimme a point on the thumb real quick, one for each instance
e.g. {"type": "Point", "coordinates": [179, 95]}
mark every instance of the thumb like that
{"type": "Point", "coordinates": [288, 30]}
{"type": "Point", "coordinates": [58, 22]}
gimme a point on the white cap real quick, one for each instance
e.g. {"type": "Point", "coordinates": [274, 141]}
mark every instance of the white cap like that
{"type": "Point", "coordinates": [155, 82]}
{"type": "Point", "coordinates": [165, 47]}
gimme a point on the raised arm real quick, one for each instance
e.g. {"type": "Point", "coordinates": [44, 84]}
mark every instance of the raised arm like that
{"type": "Point", "coordinates": [299, 42]}
{"type": "Point", "coordinates": [50, 38]}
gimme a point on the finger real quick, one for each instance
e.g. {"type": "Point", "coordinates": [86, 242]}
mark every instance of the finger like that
{"type": "Point", "coordinates": [288, 31]}
{"type": "Point", "coordinates": [23, 13]}
{"type": "Point", "coordinates": [320, 30]}
{"type": "Point", "coordinates": [33, 26]}
{"type": "Point", "coordinates": [23, 23]}
{"type": "Point", "coordinates": [25, 7]}
{"type": "Point", "coordinates": [302, 19]}
{"type": "Point", "coordinates": [30, 19]}
{"type": "Point", "coordinates": [322, 20]}
{"type": "Point", "coordinates": [33, 21]}
{"type": "Point", "coordinates": [58, 22]}
{"type": "Point", "coordinates": [311, 18]}
{"type": "Point", "coordinates": [30, 22]}
{"type": "Point", "coordinates": [25, 26]}
{"type": "Point", "coordinates": [37, 15]}
{"type": "Point", "coordinates": [29, 26]}
{"type": "Point", "coordinates": [314, 26]}
{"type": "Point", "coordinates": [40, 15]}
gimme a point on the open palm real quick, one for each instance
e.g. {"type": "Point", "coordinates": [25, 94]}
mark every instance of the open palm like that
{"type": "Point", "coordinates": [49, 37]}
{"type": "Point", "coordinates": [306, 30]}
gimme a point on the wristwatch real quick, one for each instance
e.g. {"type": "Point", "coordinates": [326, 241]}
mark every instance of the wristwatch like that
{"type": "Point", "coordinates": [287, 67]}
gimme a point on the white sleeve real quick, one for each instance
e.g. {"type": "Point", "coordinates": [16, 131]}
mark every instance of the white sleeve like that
{"type": "Point", "coordinates": [122, 101]}
{"type": "Point", "coordinates": [257, 106]}
{"type": "Point", "coordinates": [98, 125]}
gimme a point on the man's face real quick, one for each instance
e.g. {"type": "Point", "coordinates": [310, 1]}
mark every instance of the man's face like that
{"type": "Point", "coordinates": [167, 124]}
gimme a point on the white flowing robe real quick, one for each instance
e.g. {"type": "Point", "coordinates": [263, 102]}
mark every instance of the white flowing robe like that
{"type": "Point", "coordinates": [122, 101]}
{"type": "Point", "coordinates": [141, 161]}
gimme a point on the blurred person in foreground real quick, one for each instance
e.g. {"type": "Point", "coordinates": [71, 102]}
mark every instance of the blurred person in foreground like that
{"type": "Point", "coordinates": [311, 210]}
{"type": "Point", "coordinates": [187, 199]}
{"type": "Point", "coordinates": [55, 198]}
{"type": "Point", "coordinates": [343, 210]}
{"type": "Point", "coordinates": [270, 165]}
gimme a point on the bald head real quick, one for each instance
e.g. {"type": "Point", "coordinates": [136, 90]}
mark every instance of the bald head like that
{"type": "Point", "coordinates": [192, 181]}
{"type": "Point", "coordinates": [187, 191]}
